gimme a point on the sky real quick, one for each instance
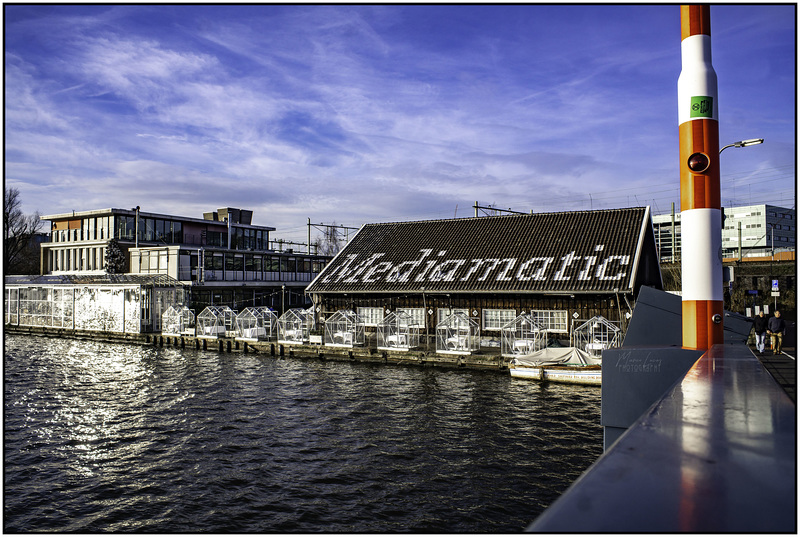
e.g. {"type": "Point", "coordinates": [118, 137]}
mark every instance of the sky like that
{"type": "Point", "coordinates": [352, 114]}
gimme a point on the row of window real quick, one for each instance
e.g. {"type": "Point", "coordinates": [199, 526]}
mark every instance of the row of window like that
{"type": "Point", "coordinates": [172, 232]}
{"type": "Point", "coordinates": [258, 263]}
{"type": "Point", "coordinates": [744, 239]}
{"type": "Point", "coordinates": [492, 319]}
{"type": "Point", "coordinates": [73, 259]}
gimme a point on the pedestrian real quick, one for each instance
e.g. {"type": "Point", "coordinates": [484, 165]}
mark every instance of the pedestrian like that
{"type": "Point", "coordinates": [760, 328]}
{"type": "Point", "coordinates": [776, 327]}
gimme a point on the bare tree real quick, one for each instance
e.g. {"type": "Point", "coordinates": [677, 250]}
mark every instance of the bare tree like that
{"type": "Point", "coordinates": [330, 243]}
{"type": "Point", "coordinates": [19, 231]}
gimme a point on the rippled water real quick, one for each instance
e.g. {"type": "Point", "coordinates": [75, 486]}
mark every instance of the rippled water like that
{"type": "Point", "coordinates": [103, 437]}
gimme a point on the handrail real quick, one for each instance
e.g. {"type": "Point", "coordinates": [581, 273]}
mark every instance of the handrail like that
{"type": "Point", "coordinates": [715, 454]}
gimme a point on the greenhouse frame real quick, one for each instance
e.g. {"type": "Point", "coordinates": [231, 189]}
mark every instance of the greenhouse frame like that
{"type": "Point", "coordinates": [215, 321]}
{"type": "Point", "coordinates": [458, 334]}
{"type": "Point", "coordinates": [294, 326]}
{"type": "Point", "coordinates": [256, 324]}
{"type": "Point", "coordinates": [522, 336]}
{"type": "Point", "coordinates": [597, 334]}
{"type": "Point", "coordinates": [398, 332]}
{"type": "Point", "coordinates": [345, 328]}
{"type": "Point", "coordinates": [178, 320]}
{"type": "Point", "coordinates": [101, 303]}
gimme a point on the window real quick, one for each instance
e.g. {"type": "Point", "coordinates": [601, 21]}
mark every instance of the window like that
{"type": "Point", "coordinates": [160, 232]}
{"type": "Point", "coordinates": [177, 232]}
{"type": "Point", "coordinates": [417, 314]}
{"type": "Point", "coordinates": [497, 319]}
{"type": "Point", "coordinates": [552, 320]}
{"type": "Point", "coordinates": [371, 316]}
{"type": "Point", "coordinates": [444, 313]}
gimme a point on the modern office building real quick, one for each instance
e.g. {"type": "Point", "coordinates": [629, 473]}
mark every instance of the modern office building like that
{"type": "Point", "coordinates": [764, 229]}
{"type": "Point", "coordinates": [222, 258]}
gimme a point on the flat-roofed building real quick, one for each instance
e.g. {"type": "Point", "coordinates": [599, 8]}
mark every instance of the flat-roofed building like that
{"type": "Point", "coordinates": [764, 229]}
{"type": "Point", "coordinates": [221, 258]}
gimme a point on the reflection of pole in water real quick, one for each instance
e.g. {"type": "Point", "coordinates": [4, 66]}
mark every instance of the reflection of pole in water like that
{"type": "Point", "coordinates": [701, 214]}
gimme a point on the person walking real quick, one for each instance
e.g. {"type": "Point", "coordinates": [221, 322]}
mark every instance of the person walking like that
{"type": "Point", "coordinates": [776, 327]}
{"type": "Point", "coordinates": [760, 328]}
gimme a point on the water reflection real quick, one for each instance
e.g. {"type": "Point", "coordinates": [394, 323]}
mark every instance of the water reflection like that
{"type": "Point", "coordinates": [127, 437]}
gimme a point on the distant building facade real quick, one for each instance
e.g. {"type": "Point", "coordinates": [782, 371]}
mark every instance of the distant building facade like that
{"type": "Point", "coordinates": [764, 229]}
{"type": "Point", "coordinates": [221, 259]}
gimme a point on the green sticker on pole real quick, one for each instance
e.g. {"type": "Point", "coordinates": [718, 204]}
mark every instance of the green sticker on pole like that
{"type": "Point", "coordinates": [702, 107]}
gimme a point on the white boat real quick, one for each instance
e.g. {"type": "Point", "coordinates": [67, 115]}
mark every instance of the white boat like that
{"type": "Point", "coordinates": [558, 364]}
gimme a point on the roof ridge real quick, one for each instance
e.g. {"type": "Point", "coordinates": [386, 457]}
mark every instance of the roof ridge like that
{"type": "Point", "coordinates": [527, 215]}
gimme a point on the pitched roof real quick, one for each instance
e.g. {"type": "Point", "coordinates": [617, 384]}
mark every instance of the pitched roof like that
{"type": "Point", "coordinates": [585, 251]}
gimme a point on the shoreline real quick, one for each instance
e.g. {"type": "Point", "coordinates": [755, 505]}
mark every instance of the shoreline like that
{"type": "Point", "coordinates": [482, 360]}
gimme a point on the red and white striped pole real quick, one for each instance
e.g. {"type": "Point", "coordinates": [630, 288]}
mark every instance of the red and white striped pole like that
{"type": "Point", "coordinates": [701, 213]}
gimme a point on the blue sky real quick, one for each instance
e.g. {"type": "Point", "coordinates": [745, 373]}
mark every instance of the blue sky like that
{"type": "Point", "coordinates": [356, 114]}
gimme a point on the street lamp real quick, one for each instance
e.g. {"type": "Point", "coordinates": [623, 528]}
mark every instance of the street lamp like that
{"type": "Point", "coordinates": [743, 143]}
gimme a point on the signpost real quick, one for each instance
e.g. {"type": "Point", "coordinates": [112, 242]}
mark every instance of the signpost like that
{"type": "Point", "coordinates": [775, 292]}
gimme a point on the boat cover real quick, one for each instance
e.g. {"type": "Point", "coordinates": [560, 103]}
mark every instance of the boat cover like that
{"type": "Point", "coordinates": [556, 356]}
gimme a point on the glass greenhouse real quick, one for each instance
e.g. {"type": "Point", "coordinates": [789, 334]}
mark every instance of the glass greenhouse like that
{"type": "Point", "coordinates": [259, 323]}
{"type": "Point", "coordinates": [458, 334]}
{"type": "Point", "coordinates": [104, 303]}
{"type": "Point", "coordinates": [522, 336]}
{"type": "Point", "coordinates": [215, 321]}
{"type": "Point", "coordinates": [294, 326]}
{"type": "Point", "coordinates": [345, 328]}
{"type": "Point", "coordinates": [177, 320]}
{"type": "Point", "coordinates": [596, 334]}
{"type": "Point", "coordinates": [398, 332]}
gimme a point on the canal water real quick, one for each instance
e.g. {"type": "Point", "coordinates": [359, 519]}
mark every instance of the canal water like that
{"type": "Point", "coordinates": [123, 438]}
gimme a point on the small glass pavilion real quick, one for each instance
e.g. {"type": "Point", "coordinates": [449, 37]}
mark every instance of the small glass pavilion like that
{"type": "Point", "coordinates": [177, 320]}
{"type": "Point", "coordinates": [458, 334]}
{"type": "Point", "coordinates": [345, 328]}
{"type": "Point", "coordinates": [522, 336]}
{"type": "Point", "coordinates": [398, 332]}
{"type": "Point", "coordinates": [596, 334]}
{"type": "Point", "coordinates": [294, 326]}
{"type": "Point", "coordinates": [215, 321]}
{"type": "Point", "coordinates": [256, 324]}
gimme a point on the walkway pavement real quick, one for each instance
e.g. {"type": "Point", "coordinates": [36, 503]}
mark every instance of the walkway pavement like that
{"type": "Point", "coordinates": [782, 367]}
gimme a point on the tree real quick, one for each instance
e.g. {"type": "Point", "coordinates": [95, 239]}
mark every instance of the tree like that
{"type": "Point", "coordinates": [19, 232]}
{"type": "Point", "coordinates": [115, 259]}
{"type": "Point", "coordinates": [329, 243]}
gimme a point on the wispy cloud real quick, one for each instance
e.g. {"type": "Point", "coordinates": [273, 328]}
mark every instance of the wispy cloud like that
{"type": "Point", "coordinates": [363, 113]}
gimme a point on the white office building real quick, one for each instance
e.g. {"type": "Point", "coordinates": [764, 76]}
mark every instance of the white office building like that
{"type": "Point", "coordinates": [764, 229]}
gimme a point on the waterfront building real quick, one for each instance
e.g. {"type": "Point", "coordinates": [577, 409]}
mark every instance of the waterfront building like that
{"type": "Point", "coordinates": [96, 260]}
{"type": "Point", "coordinates": [124, 303]}
{"type": "Point", "coordinates": [764, 230]}
{"type": "Point", "coordinates": [222, 258]}
{"type": "Point", "coordinates": [562, 268]}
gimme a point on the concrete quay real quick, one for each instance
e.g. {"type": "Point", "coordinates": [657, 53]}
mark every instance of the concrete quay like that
{"type": "Point", "coordinates": [485, 360]}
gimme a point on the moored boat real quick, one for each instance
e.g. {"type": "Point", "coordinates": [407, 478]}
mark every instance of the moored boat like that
{"type": "Point", "coordinates": [558, 364]}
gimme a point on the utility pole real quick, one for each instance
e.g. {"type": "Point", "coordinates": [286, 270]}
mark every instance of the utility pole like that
{"type": "Point", "coordinates": [496, 210]}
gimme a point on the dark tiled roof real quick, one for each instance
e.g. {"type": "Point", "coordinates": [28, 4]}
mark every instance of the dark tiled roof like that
{"type": "Point", "coordinates": [586, 251]}
{"type": "Point", "coordinates": [157, 280]}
